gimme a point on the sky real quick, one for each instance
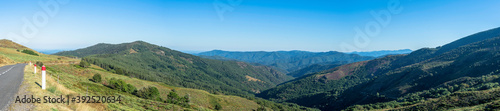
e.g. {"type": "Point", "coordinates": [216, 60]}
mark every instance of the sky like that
{"type": "Point", "coordinates": [246, 25]}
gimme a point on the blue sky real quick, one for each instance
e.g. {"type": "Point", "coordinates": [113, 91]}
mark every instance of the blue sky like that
{"type": "Point", "coordinates": [251, 25]}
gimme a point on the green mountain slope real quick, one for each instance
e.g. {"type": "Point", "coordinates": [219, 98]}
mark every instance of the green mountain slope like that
{"type": "Point", "coordinates": [286, 61]}
{"type": "Point", "coordinates": [155, 63]}
{"type": "Point", "coordinates": [392, 78]}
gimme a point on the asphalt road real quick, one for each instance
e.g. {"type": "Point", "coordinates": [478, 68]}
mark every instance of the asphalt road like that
{"type": "Point", "coordinates": [11, 78]}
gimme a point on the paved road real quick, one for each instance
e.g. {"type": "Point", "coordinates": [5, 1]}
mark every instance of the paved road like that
{"type": "Point", "coordinates": [11, 78]}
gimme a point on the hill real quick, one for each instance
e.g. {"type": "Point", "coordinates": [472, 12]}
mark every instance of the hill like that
{"type": "Point", "coordinates": [154, 63]}
{"type": "Point", "coordinates": [286, 61]}
{"type": "Point", "coordinates": [9, 44]}
{"type": "Point", "coordinates": [67, 78]}
{"type": "Point", "coordinates": [404, 79]}
{"type": "Point", "coordinates": [383, 52]}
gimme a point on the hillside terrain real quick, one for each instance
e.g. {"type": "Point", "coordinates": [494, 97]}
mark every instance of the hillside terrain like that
{"type": "Point", "coordinates": [154, 63]}
{"type": "Point", "coordinates": [461, 67]}
{"type": "Point", "coordinates": [67, 77]}
{"type": "Point", "coordinates": [286, 61]}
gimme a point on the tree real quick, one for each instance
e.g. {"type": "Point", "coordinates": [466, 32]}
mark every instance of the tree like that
{"type": "Point", "coordinates": [84, 64]}
{"type": "Point", "coordinates": [97, 78]}
{"type": "Point", "coordinates": [148, 93]}
{"type": "Point", "coordinates": [218, 106]}
{"type": "Point", "coordinates": [173, 97]}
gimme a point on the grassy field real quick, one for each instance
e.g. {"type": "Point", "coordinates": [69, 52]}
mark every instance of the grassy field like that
{"type": "Point", "coordinates": [66, 78]}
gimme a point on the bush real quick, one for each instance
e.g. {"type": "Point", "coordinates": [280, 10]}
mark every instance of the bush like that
{"type": "Point", "coordinates": [122, 86]}
{"type": "Point", "coordinates": [84, 64]}
{"type": "Point", "coordinates": [39, 64]}
{"type": "Point", "coordinates": [30, 52]}
{"type": "Point", "coordinates": [218, 106]}
{"type": "Point", "coordinates": [97, 78]}
{"type": "Point", "coordinates": [149, 93]}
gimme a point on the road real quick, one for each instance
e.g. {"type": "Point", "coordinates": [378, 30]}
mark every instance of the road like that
{"type": "Point", "coordinates": [11, 78]}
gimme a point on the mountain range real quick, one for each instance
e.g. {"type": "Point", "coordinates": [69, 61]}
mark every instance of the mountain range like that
{"type": "Point", "coordinates": [286, 61]}
{"type": "Point", "coordinates": [462, 74]}
{"type": "Point", "coordinates": [382, 53]}
{"type": "Point", "coordinates": [405, 82]}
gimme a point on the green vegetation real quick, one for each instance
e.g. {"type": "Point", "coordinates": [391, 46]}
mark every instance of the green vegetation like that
{"type": "Point", "coordinates": [84, 64]}
{"type": "Point", "coordinates": [97, 78]}
{"type": "Point", "coordinates": [286, 61]}
{"type": "Point", "coordinates": [218, 107]}
{"type": "Point", "coordinates": [52, 89]}
{"type": "Point", "coordinates": [416, 81]}
{"type": "Point", "coordinates": [39, 64]}
{"type": "Point", "coordinates": [74, 81]}
{"type": "Point", "coordinates": [174, 98]}
{"type": "Point", "coordinates": [30, 52]}
{"type": "Point", "coordinates": [314, 68]}
{"type": "Point", "coordinates": [124, 87]}
{"type": "Point", "coordinates": [149, 93]}
{"type": "Point", "coordinates": [154, 63]}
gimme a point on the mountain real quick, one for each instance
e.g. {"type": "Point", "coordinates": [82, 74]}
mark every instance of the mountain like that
{"type": "Point", "coordinates": [155, 63]}
{"type": "Point", "coordinates": [314, 68]}
{"type": "Point", "coordinates": [49, 51]}
{"type": "Point", "coordinates": [463, 66]}
{"type": "Point", "coordinates": [286, 61]}
{"type": "Point", "coordinates": [383, 52]}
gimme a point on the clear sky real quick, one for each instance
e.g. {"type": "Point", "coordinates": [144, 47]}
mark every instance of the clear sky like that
{"type": "Point", "coordinates": [249, 25]}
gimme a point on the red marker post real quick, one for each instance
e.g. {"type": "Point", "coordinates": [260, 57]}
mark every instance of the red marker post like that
{"type": "Point", "coordinates": [35, 69]}
{"type": "Point", "coordinates": [43, 77]}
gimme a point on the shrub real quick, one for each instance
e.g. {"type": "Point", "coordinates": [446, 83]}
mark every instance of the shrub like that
{"type": "Point", "coordinates": [148, 93]}
{"type": "Point", "coordinates": [97, 78]}
{"type": "Point", "coordinates": [130, 89]}
{"type": "Point", "coordinates": [39, 64]}
{"type": "Point", "coordinates": [218, 106]}
{"type": "Point", "coordinates": [84, 64]}
{"type": "Point", "coordinates": [122, 86]}
{"type": "Point", "coordinates": [30, 52]}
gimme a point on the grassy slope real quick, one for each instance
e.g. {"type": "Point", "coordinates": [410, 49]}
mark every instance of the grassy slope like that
{"type": "Point", "coordinates": [73, 81]}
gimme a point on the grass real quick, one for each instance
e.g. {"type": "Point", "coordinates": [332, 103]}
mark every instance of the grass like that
{"type": "Point", "coordinates": [19, 57]}
{"type": "Point", "coordinates": [78, 78]}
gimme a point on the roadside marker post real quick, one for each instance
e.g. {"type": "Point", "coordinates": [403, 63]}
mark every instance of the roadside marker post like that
{"type": "Point", "coordinates": [35, 69]}
{"type": "Point", "coordinates": [43, 77]}
{"type": "Point", "coordinates": [30, 63]}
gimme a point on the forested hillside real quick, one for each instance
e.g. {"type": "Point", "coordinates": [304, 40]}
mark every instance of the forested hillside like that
{"type": "Point", "coordinates": [286, 61]}
{"type": "Point", "coordinates": [155, 63]}
{"type": "Point", "coordinates": [405, 80]}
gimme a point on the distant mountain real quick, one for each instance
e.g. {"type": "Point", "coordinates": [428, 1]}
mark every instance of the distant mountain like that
{"type": "Point", "coordinates": [405, 81]}
{"type": "Point", "coordinates": [285, 61]}
{"type": "Point", "coordinates": [155, 63]}
{"type": "Point", "coordinates": [383, 52]}
{"type": "Point", "coordinates": [49, 51]}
